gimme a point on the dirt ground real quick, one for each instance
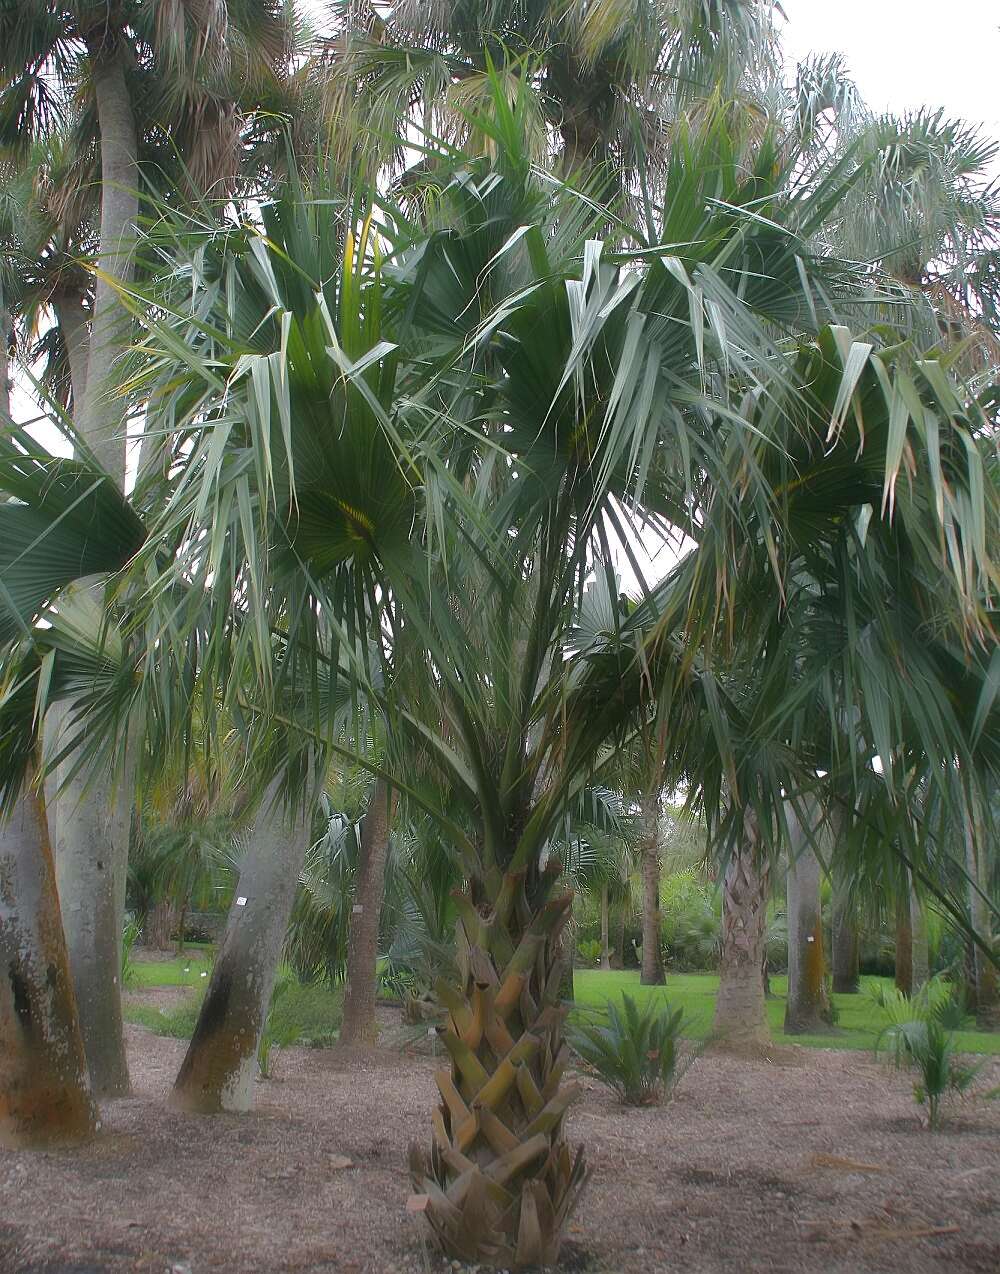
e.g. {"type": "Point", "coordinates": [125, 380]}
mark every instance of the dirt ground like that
{"type": "Point", "coordinates": [729, 1176]}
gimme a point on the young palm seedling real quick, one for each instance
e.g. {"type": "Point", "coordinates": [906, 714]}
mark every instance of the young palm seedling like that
{"type": "Point", "coordinates": [916, 1038]}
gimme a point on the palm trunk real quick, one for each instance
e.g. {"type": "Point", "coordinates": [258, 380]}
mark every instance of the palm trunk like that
{"type": "Point", "coordinates": [740, 1012]}
{"type": "Point", "coordinates": [807, 1008]}
{"type": "Point", "coordinates": [987, 979]}
{"type": "Point", "coordinates": [218, 1070]}
{"type": "Point", "coordinates": [89, 829]}
{"type": "Point", "coordinates": [100, 421]}
{"type": "Point", "coordinates": [74, 323]}
{"type": "Point", "coordinates": [617, 954]}
{"type": "Point", "coordinates": [181, 921]}
{"type": "Point", "coordinates": [5, 385]}
{"type": "Point", "coordinates": [652, 957]}
{"type": "Point", "coordinates": [904, 943]}
{"type": "Point", "coordinates": [90, 818]}
{"type": "Point", "coordinates": [605, 930]}
{"type": "Point", "coordinates": [920, 959]}
{"type": "Point", "coordinates": [45, 1096]}
{"type": "Point", "coordinates": [846, 953]}
{"type": "Point", "coordinates": [159, 925]}
{"type": "Point", "coordinates": [359, 1026]}
{"type": "Point", "coordinates": [500, 1181]}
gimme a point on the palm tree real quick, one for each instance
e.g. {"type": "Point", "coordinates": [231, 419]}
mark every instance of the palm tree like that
{"type": "Point", "coordinates": [49, 523]}
{"type": "Point", "coordinates": [924, 210]}
{"type": "Point", "coordinates": [812, 638]}
{"type": "Point", "coordinates": [604, 84]}
{"type": "Point", "coordinates": [43, 1070]}
{"type": "Point", "coordinates": [495, 435]}
{"type": "Point", "coordinates": [496, 431]}
{"type": "Point", "coordinates": [145, 77]}
{"type": "Point", "coordinates": [220, 1064]}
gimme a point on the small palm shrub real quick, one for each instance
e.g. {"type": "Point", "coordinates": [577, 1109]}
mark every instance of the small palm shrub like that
{"type": "Point", "coordinates": [636, 1052]}
{"type": "Point", "coordinates": [918, 1037]}
{"type": "Point", "coordinates": [929, 1048]}
{"type": "Point", "coordinates": [589, 951]}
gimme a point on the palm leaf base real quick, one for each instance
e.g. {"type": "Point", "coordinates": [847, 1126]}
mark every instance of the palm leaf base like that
{"type": "Point", "coordinates": [501, 1181]}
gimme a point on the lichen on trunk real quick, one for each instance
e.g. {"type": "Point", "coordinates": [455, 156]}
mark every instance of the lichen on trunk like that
{"type": "Point", "coordinates": [219, 1067]}
{"type": "Point", "coordinates": [807, 1007]}
{"type": "Point", "coordinates": [45, 1096]}
{"type": "Point", "coordinates": [90, 839]}
{"type": "Point", "coordinates": [500, 1180]}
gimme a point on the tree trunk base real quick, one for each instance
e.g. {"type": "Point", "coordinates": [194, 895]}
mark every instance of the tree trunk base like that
{"type": "Point", "coordinates": [808, 1024]}
{"type": "Point", "coordinates": [206, 1096]}
{"type": "Point", "coordinates": [753, 1049]}
{"type": "Point", "coordinates": [988, 1018]}
{"type": "Point", "coordinates": [500, 1180]}
{"type": "Point", "coordinates": [47, 1119]}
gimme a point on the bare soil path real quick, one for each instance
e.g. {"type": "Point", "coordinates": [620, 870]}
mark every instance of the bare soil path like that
{"type": "Point", "coordinates": [813, 1164]}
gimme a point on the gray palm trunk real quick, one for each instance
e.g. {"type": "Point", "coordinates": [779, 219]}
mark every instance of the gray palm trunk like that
{"type": "Point", "coordinates": [904, 943]}
{"type": "Point", "coordinates": [845, 950]}
{"type": "Point", "coordinates": [605, 930]}
{"type": "Point", "coordinates": [920, 959]}
{"type": "Point", "coordinates": [89, 831]}
{"type": "Point", "coordinates": [90, 813]}
{"type": "Point", "coordinates": [987, 979]}
{"type": "Point", "coordinates": [45, 1096]}
{"type": "Point", "coordinates": [5, 385]}
{"type": "Point", "coordinates": [100, 422]}
{"type": "Point", "coordinates": [219, 1067]}
{"type": "Point", "coordinates": [807, 1007]}
{"type": "Point", "coordinates": [652, 957]}
{"type": "Point", "coordinates": [740, 1010]}
{"type": "Point", "coordinates": [359, 1027]}
{"type": "Point", "coordinates": [74, 323]}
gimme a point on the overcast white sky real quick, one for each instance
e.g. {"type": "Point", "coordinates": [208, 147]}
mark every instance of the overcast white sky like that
{"type": "Point", "coordinates": [909, 53]}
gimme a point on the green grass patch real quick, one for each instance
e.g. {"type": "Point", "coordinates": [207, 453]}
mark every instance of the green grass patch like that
{"type": "Point", "coordinates": [858, 1024]}
{"type": "Point", "coordinates": [185, 970]}
{"type": "Point", "coordinates": [314, 1011]}
{"type": "Point", "coordinates": [177, 1022]}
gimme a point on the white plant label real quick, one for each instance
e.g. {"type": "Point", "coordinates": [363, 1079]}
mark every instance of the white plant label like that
{"type": "Point", "coordinates": [241, 901]}
{"type": "Point", "coordinates": [357, 909]}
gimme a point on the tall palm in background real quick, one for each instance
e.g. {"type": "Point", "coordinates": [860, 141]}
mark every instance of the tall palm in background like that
{"type": "Point", "coordinates": [925, 209]}
{"type": "Point", "coordinates": [603, 82]}
{"type": "Point", "coordinates": [841, 642]}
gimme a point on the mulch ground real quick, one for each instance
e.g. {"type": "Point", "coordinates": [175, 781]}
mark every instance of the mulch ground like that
{"type": "Point", "coordinates": [813, 1162]}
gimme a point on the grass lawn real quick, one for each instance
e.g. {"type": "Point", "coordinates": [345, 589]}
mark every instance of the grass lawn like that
{"type": "Point", "coordinates": [859, 1022]}
{"type": "Point", "coordinates": [185, 970]}
{"type": "Point", "coordinates": [314, 1012]}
